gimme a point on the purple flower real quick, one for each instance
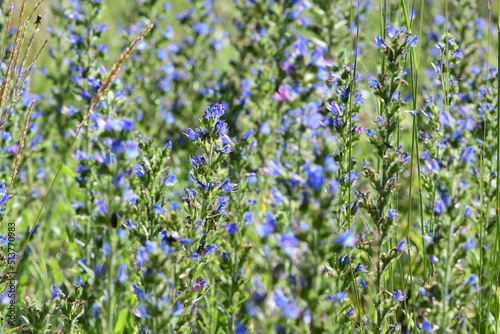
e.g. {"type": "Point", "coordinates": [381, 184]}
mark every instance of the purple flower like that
{"type": "Point", "coordinates": [358, 99]}
{"type": "Point", "coordinates": [284, 94]}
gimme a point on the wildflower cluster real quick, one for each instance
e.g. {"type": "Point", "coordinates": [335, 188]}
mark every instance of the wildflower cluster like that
{"type": "Point", "coordinates": [249, 167]}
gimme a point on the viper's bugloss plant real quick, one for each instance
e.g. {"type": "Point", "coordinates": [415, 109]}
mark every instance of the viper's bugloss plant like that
{"type": "Point", "coordinates": [249, 167]}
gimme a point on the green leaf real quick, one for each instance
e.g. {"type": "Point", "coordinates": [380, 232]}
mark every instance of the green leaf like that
{"type": "Point", "coordinates": [121, 322]}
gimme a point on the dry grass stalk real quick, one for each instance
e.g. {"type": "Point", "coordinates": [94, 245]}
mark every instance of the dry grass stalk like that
{"type": "Point", "coordinates": [114, 71]}
{"type": "Point", "coordinates": [12, 75]}
{"type": "Point", "coordinates": [17, 93]}
{"type": "Point", "coordinates": [6, 33]}
{"type": "Point", "coordinates": [19, 152]}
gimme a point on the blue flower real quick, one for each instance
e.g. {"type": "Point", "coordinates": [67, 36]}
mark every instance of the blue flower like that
{"type": "Point", "coordinates": [201, 28]}
{"type": "Point", "coordinates": [221, 128]}
{"type": "Point", "coordinates": [191, 134]}
{"type": "Point", "coordinates": [252, 179]}
{"type": "Point", "coordinates": [79, 281]}
{"type": "Point", "coordinates": [248, 217]}
{"type": "Point", "coordinates": [393, 32]}
{"type": "Point", "coordinates": [347, 239]}
{"type": "Point", "coordinates": [169, 33]}
{"type": "Point", "coordinates": [131, 150]}
{"type": "Point", "coordinates": [392, 214]}
{"type": "Point", "coordinates": [95, 312]}
{"type": "Point", "coordinates": [210, 250]}
{"type": "Point", "coordinates": [289, 244]}
{"type": "Point", "coordinates": [141, 295]}
{"type": "Point", "coordinates": [315, 177]}
{"type": "Point", "coordinates": [55, 293]}
{"type": "Point", "coordinates": [101, 207]}
{"type": "Point", "coordinates": [221, 205]}
{"type": "Point", "coordinates": [227, 149]}
{"type": "Point", "coordinates": [470, 244]}
{"type": "Point", "coordinates": [178, 309]}
{"type": "Point", "coordinates": [358, 99]}
{"type": "Point", "coordinates": [158, 210]}
{"type": "Point", "coordinates": [264, 129]}
{"type": "Point", "coordinates": [228, 186]}
{"type": "Point", "coordinates": [122, 273]}
{"type": "Point", "coordinates": [467, 155]}
{"type": "Point", "coordinates": [213, 113]}
{"type": "Point", "coordinates": [472, 281]}
{"type": "Point", "coordinates": [5, 299]}
{"type": "Point", "coordinates": [139, 170]}
{"type": "Point", "coordinates": [339, 297]}
{"type": "Point", "coordinates": [359, 268]}
{"type": "Point", "coordinates": [426, 327]}
{"type": "Point", "coordinates": [412, 41]}
{"type": "Point", "coordinates": [401, 246]}
{"type": "Point", "coordinates": [141, 312]}
{"type": "Point", "coordinates": [398, 296]}
{"type": "Point", "coordinates": [171, 180]}
{"type": "Point", "coordinates": [232, 228]}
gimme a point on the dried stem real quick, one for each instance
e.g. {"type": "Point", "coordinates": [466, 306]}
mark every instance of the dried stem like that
{"type": "Point", "coordinates": [21, 144]}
